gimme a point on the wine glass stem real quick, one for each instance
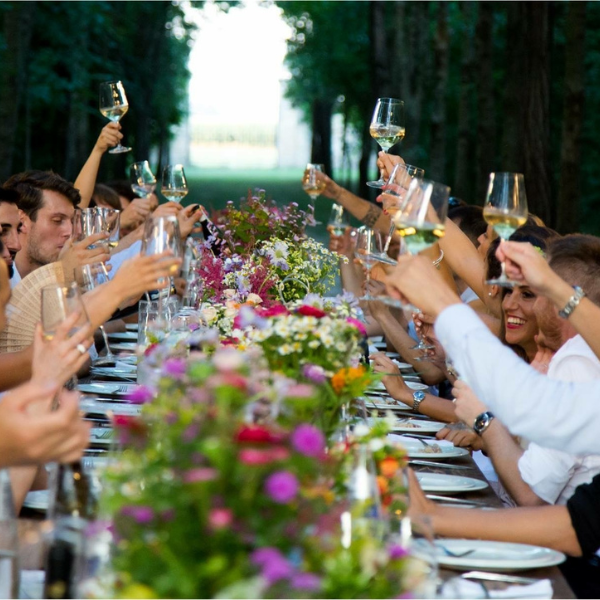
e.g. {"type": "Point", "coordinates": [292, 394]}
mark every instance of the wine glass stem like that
{"type": "Point", "coordinates": [109, 353]}
{"type": "Point", "coordinates": [389, 239]}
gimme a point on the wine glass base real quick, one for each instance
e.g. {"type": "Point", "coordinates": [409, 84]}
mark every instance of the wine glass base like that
{"type": "Point", "coordinates": [384, 258]}
{"type": "Point", "coordinates": [119, 150]}
{"type": "Point", "coordinates": [503, 282]}
{"type": "Point", "coordinates": [376, 184]}
{"type": "Point", "coordinates": [422, 346]}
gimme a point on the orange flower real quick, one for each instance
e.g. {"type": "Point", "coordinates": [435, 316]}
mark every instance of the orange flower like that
{"type": "Point", "coordinates": [338, 381]}
{"type": "Point", "coordinates": [345, 377]}
{"type": "Point", "coordinates": [388, 466]}
{"type": "Point", "coordinates": [383, 485]}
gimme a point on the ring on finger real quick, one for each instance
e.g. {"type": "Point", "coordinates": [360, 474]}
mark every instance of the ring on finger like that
{"type": "Point", "coordinates": [82, 349]}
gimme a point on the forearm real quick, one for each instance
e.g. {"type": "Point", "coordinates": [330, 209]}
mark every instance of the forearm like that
{"type": "Point", "coordinates": [86, 180]}
{"type": "Point", "coordinates": [403, 343]}
{"type": "Point", "coordinates": [352, 277]}
{"type": "Point", "coordinates": [15, 368]}
{"type": "Point", "coordinates": [431, 406]}
{"type": "Point", "coordinates": [21, 480]}
{"type": "Point", "coordinates": [101, 303]}
{"type": "Point", "coordinates": [548, 526]}
{"type": "Point", "coordinates": [505, 453]}
{"type": "Point", "coordinates": [368, 213]}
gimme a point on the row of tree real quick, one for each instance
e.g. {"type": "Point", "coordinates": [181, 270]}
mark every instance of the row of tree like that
{"type": "Point", "coordinates": [488, 86]}
{"type": "Point", "coordinates": [53, 57]}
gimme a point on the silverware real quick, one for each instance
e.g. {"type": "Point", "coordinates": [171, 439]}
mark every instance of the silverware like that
{"type": "Point", "coordinates": [426, 463]}
{"type": "Point", "coordinates": [449, 552]}
{"type": "Point", "coordinates": [498, 577]}
{"type": "Point", "coordinates": [452, 500]}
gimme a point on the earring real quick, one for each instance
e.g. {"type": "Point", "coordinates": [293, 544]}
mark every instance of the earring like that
{"type": "Point", "coordinates": [489, 293]}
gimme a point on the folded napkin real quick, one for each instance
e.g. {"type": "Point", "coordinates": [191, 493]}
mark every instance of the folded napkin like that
{"type": "Point", "coordinates": [466, 588]}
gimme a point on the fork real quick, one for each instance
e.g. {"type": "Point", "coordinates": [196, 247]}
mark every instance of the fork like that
{"type": "Point", "coordinates": [416, 437]}
{"type": "Point", "coordinates": [449, 552]}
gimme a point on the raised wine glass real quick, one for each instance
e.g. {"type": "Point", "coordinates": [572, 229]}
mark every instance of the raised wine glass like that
{"type": "Point", "coordinates": [174, 184]}
{"type": "Point", "coordinates": [109, 221]}
{"type": "Point", "coordinates": [314, 184]}
{"type": "Point", "coordinates": [505, 210]}
{"type": "Point", "coordinates": [88, 278]}
{"type": "Point", "coordinates": [387, 128]}
{"type": "Point", "coordinates": [113, 106]}
{"type": "Point", "coordinates": [143, 181]}
{"type": "Point", "coordinates": [338, 222]}
{"type": "Point", "coordinates": [368, 245]}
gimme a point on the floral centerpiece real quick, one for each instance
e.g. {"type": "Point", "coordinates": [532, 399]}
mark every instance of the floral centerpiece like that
{"type": "Point", "coordinates": [207, 505]}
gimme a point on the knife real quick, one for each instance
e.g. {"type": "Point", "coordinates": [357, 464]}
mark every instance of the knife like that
{"type": "Point", "coordinates": [498, 577]}
{"type": "Point", "coordinates": [426, 463]}
{"type": "Point", "coordinates": [455, 500]}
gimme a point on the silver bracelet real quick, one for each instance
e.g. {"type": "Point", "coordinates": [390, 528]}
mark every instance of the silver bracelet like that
{"type": "Point", "coordinates": [573, 303]}
{"type": "Point", "coordinates": [438, 260]}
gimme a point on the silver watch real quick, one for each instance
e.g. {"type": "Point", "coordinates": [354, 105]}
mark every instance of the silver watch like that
{"type": "Point", "coordinates": [482, 422]}
{"type": "Point", "coordinates": [418, 397]}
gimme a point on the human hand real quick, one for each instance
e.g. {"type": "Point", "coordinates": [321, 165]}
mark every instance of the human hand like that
{"type": "Point", "coordinates": [109, 137]}
{"type": "Point", "coordinates": [168, 209]}
{"type": "Point", "coordinates": [76, 254]}
{"type": "Point", "coordinates": [394, 382]}
{"type": "Point", "coordinates": [542, 358]}
{"type": "Point", "coordinates": [467, 406]}
{"type": "Point", "coordinates": [387, 162]}
{"type": "Point", "coordinates": [56, 360]}
{"type": "Point", "coordinates": [28, 437]}
{"type": "Point", "coordinates": [188, 218]}
{"type": "Point", "coordinates": [418, 504]}
{"type": "Point", "coordinates": [332, 189]}
{"type": "Point", "coordinates": [344, 244]}
{"type": "Point", "coordinates": [460, 435]}
{"type": "Point", "coordinates": [135, 213]}
{"type": "Point", "coordinates": [416, 279]}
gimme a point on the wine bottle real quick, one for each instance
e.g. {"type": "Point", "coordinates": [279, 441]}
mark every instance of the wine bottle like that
{"type": "Point", "coordinates": [210, 232]}
{"type": "Point", "coordinates": [9, 540]}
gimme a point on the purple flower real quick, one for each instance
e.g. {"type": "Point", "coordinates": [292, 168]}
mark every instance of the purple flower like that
{"type": "Point", "coordinates": [397, 552]}
{"type": "Point", "coordinates": [308, 440]}
{"type": "Point", "coordinates": [262, 556]}
{"type": "Point", "coordinates": [167, 515]}
{"type": "Point", "coordinates": [274, 566]}
{"type": "Point", "coordinates": [202, 474]}
{"type": "Point", "coordinates": [306, 581]}
{"type": "Point", "coordinates": [190, 433]}
{"type": "Point", "coordinates": [174, 367]}
{"type": "Point", "coordinates": [281, 487]}
{"type": "Point", "coordinates": [314, 372]}
{"type": "Point", "coordinates": [140, 395]}
{"type": "Point", "coordinates": [140, 514]}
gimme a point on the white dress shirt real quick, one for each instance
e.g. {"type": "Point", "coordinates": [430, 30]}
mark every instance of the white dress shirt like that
{"type": "Point", "coordinates": [552, 474]}
{"type": "Point", "coordinates": [116, 260]}
{"type": "Point", "coordinates": [557, 414]}
{"type": "Point", "coordinates": [16, 277]}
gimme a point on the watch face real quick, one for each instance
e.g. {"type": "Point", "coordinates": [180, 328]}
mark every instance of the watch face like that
{"type": "Point", "coordinates": [420, 395]}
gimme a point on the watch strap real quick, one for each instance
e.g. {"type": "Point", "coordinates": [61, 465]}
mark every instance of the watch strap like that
{"type": "Point", "coordinates": [572, 303]}
{"type": "Point", "coordinates": [482, 422]}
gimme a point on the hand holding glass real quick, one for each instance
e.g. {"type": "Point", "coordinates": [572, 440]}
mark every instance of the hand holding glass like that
{"type": "Point", "coordinates": [174, 184]}
{"type": "Point", "coordinates": [113, 106]}
{"type": "Point", "coordinates": [143, 182]}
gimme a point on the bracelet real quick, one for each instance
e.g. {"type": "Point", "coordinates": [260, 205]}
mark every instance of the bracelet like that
{"type": "Point", "coordinates": [573, 303]}
{"type": "Point", "coordinates": [438, 260]}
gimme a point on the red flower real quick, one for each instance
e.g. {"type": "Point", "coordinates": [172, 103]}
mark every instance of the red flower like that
{"type": "Point", "coordinates": [130, 424]}
{"type": "Point", "coordinates": [360, 326]}
{"type": "Point", "coordinates": [254, 456]}
{"type": "Point", "coordinates": [275, 311]}
{"type": "Point", "coordinates": [254, 434]}
{"type": "Point", "coordinates": [310, 311]}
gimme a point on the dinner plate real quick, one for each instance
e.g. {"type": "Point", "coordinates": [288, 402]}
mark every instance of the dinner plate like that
{"type": "Point", "coordinates": [132, 326]}
{"type": "Point", "coordinates": [418, 426]}
{"type": "Point", "coordinates": [375, 338]}
{"type": "Point", "coordinates": [123, 335]}
{"type": "Point", "coordinates": [440, 483]}
{"type": "Point", "coordinates": [113, 372]}
{"type": "Point", "coordinates": [101, 436]}
{"type": "Point", "coordinates": [401, 365]}
{"type": "Point", "coordinates": [491, 556]}
{"type": "Point", "coordinates": [444, 450]}
{"type": "Point", "coordinates": [37, 500]}
{"type": "Point", "coordinates": [100, 406]}
{"type": "Point", "coordinates": [129, 346]}
{"type": "Point", "coordinates": [415, 385]}
{"type": "Point", "coordinates": [107, 388]}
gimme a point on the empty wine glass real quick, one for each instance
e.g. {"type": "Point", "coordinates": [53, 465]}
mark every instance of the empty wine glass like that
{"type": "Point", "coordinates": [365, 252]}
{"type": "Point", "coordinates": [143, 181]}
{"type": "Point", "coordinates": [174, 184]}
{"type": "Point", "coordinates": [338, 222]}
{"type": "Point", "coordinates": [109, 221]}
{"type": "Point", "coordinates": [505, 210]}
{"type": "Point", "coordinates": [113, 106]}
{"type": "Point", "coordinates": [387, 128]}
{"type": "Point", "coordinates": [88, 278]}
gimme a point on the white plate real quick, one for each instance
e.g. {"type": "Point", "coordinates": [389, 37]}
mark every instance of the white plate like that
{"type": "Point", "coordinates": [496, 556]}
{"type": "Point", "coordinates": [129, 346]}
{"type": "Point", "coordinates": [375, 338]}
{"type": "Point", "coordinates": [123, 335]}
{"type": "Point", "coordinates": [101, 436]}
{"type": "Point", "coordinates": [418, 426]}
{"type": "Point", "coordinates": [107, 388]}
{"type": "Point", "coordinates": [440, 483]}
{"type": "Point", "coordinates": [113, 372]}
{"type": "Point", "coordinates": [402, 365]}
{"type": "Point", "coordinates": [415, 385]}
{"type": "Point", "coordinates": [416, 449]}
{"type": "Point", "coordinates": [392, 355]}
{"type": "Point", "coordinates": [99, 406]}
{"type": "Point", "coordinates": [37, 500]}
{"type": "Point", "coordinates": [132, 326]}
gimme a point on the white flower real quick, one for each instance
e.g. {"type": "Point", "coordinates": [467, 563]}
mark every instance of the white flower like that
{"type": "Point", "coordinates": [228, 359]}
{"type": "Point", "coordinates": [361, 430]}
{"type": "Point", "coordinates": [230, 294]}
{"type": "Point", "coordinates": [230, 312]}
{"type": "Point", "coordinates": [209, 314]}
{"type": "Point", "coordinates": [314, 344]}
{"type": "Point", "coordinates": [254, 299]}
{"type": "Point", "coordinates": [376, 444]}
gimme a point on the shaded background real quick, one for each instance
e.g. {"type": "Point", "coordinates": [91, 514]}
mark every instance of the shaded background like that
{"type": "Point", "coordinates": [488, 86]}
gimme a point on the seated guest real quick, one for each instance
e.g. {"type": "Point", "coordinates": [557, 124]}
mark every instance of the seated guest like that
{"type": "Point", "coordinates": [10, 222]}
{"type": "Point", "coordinates": [105, 197]}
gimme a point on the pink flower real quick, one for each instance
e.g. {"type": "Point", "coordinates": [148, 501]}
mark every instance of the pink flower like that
{"type": "Point", "coordinates": [275, 311]}
{"type": "Point", "coordinates": [140, 395]}
{"type": "Point", "coordinates": [357, 324]}
{"type": "Point", "coordinates": [282, 487]}
{"type": "Point", "coordinates": [140, 514]}
{"type": "Point", "coordinates": [202, 474]}
{"type": "Point", "coordinates": [306, 581]}
{"type": "Point", "coordinates": [174, 367]}
{"type": "Point", "coordinates": [397, 552]}
{"type": "Point", "coordinates": [311, 311]}
{"type": "Point", "coordinates": [228, 359]}
{"type": "Point", "coordinates": [219, 518]}
{"type": "Point", "coordinates": [315, 373]}
{"type": "Point", "coordinates": [254, 456]}
{"type": "Point", "coordinates": [308, 440]}
{"type": "Point", "coordinates": [300, 390]}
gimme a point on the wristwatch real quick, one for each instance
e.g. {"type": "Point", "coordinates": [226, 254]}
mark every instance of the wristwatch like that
{"type": "Point", "coordinates": [482, 422]}
{"type": "Point", "coordinates": [418, 397]}
{"type": "Point", "coordinates": [573, 302]}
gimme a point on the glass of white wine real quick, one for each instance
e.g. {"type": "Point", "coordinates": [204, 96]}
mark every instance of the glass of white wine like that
{"type": "Point", "coordinates": [338, 222]}
{"type": "Point", "coordinates": [58, 303]}
{"type": "Point", "coordinates": [174, 184]}
{"type": "Point", "coordinates": [368, 246]}
{"type": "Point", "coordinates": [314, 184]}
{"type": "Point", "coordinates": [113, 106]}
{"type": "Point", "coordinates": [505, 210]}
{"type": "Point", "coordinates": [387, 128]}
{"type": "Point", "coordinates": [109, 221]}
{"type": "Point", "coordinates": [143, 181]}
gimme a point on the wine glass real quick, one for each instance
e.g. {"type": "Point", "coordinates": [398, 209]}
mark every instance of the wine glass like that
{"type": "Point", "coordinates": [109, 221]}
{"type": "Point", "coordinates": [313, 184]}
{"type": "Point", "coordinates": [174, 184]}
{"type": "Point", "coordinates": [368, 244]}
{"type": "Point", "coordinates": [162, 234]}
{"type": "Point", "coordinates": [505, 210]}
{"type": "Point", "coordinates": [338, 222]}
{"type": "Point", "coordinates": [88, 278]}
{"type": "Point", "coordinates": [143, 181]}
{"type": "Point", "coordinates": [113, 106]}
{"type": "Point", "coordinates": [387, 128]}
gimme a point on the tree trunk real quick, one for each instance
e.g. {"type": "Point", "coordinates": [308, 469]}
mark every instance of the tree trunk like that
{"type": "Point", "coordinates": [464, 175]}
{"type": "Point", "coordinates": [17, 29]}
{"type": "Point", "coordinates": [536, 107]}
{"type": "Point", "coordinates": [438, 116]}
{"type": "Point", "coordinates": [380, 59]}
{"type": "Point", "coordinates": [570, 158]}
{"type": "Point", "coordinates": [486, 117]}
{"type": "Point", "coordinates": [321, 134]}
{"type": "Point", "coordinates": [363, 166]}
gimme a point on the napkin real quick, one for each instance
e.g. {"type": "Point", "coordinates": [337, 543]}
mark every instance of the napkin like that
{"type": "Point", "coordinates": [465, 588]}
{"type": "Point", "coordinates": [32, 584]}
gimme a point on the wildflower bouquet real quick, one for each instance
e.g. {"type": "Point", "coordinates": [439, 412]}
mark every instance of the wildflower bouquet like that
{"type": "Point", "coordinates": [207, 505]}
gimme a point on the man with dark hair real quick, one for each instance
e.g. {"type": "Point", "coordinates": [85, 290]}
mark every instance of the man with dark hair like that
{"type": "Point", "coordinates": [470, 220]}
{"type": "Point", "coordinates": [46, 205]}
{"type": "Point", "coordinates": [10, 224]}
